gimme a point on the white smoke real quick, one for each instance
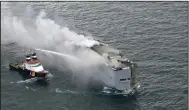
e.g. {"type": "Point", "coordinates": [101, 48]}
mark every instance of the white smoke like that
{"type": "Point", "coordinates": [44, 33]}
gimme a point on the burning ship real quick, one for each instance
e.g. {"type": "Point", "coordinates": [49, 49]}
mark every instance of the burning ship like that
{"type": "Point", "coordinates": [123, 70]}
{"type": "Point", "coordinates": [30, 68]}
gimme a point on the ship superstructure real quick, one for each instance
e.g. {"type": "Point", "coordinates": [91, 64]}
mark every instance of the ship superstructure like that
{"type": "Point", "coordinates": [123, 77]}
{"type": "Point", "coordinates": [32, 63]}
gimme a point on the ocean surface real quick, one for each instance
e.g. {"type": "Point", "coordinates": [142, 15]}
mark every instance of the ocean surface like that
{"type": "Point", "coordinates": [152, 34]}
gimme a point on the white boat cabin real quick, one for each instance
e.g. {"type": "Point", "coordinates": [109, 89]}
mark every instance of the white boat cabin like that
{"type": "Point", "coordinates": [33, 63]}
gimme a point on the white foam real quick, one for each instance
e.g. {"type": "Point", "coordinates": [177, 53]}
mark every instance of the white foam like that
{"type": "Point", "coordinates": [65, 91]}
{"type": "Point", "coordinates": [49, 76]}
{"type": "Point", "coordinates": [26, 81]}
{"type": "Point", "coordinates": [111, 91]}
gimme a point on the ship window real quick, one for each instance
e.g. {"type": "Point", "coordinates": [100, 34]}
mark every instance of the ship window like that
{"type": "Point", "coordinates": [122, 79]}
{"type": "Point", "coordinates": [28, 60]}
{"type": "Point", "coordinates": [36, 65]}
{"type": "Point", "coordinates": [34, 57]}
{"type": "Point", "coordinates": [128, 78]}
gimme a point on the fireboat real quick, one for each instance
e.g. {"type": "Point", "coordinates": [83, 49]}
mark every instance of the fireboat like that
{"type": "Point", "coordinates": [30, 68]}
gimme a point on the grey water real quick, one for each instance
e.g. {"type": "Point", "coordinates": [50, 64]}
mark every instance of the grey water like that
{"type": "Point", "coordinates": [152, 34]}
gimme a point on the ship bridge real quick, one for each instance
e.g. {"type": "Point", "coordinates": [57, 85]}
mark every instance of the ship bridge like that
{"type": "Point", "coordinates": [33, 63]}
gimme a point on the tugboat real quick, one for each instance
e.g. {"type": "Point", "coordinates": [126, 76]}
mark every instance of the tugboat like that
{"type": "Point", "coordinates": [30, 68]}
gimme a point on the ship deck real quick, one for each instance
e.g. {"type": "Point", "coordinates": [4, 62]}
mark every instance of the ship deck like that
{"type": "Point", "coordinates": [113, 56]}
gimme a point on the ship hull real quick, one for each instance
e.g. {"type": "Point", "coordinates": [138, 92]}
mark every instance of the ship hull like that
{"type": "Point", "coordinates": [27, 73]}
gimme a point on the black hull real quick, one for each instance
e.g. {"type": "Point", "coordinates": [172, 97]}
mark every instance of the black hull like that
{"type": "Point", "coordinates": [26, 73]}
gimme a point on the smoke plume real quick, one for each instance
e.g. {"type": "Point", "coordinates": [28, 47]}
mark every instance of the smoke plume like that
{"type": "Point", "coordinates": [70, 49]}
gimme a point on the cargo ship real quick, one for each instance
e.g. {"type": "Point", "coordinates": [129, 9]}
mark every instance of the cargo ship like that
{"type": "Point", "coordinates": [123, 70]}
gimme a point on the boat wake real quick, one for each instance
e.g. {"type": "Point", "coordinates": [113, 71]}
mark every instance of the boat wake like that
{"type": "Point", "coordinates": [105, 91]}
{"type": "Point", "coordinates": [111, 91]}
{"type": "Point", "coordinates": [30, 88]}
{"type": "Point", "coordinates": [49, 76]}
{"type": "Point", "coordinates": [32, 80]}
{"type": "Point", "coordinates": [57, 90]}
{"type": "Point", "coordinates": [25, 81]}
